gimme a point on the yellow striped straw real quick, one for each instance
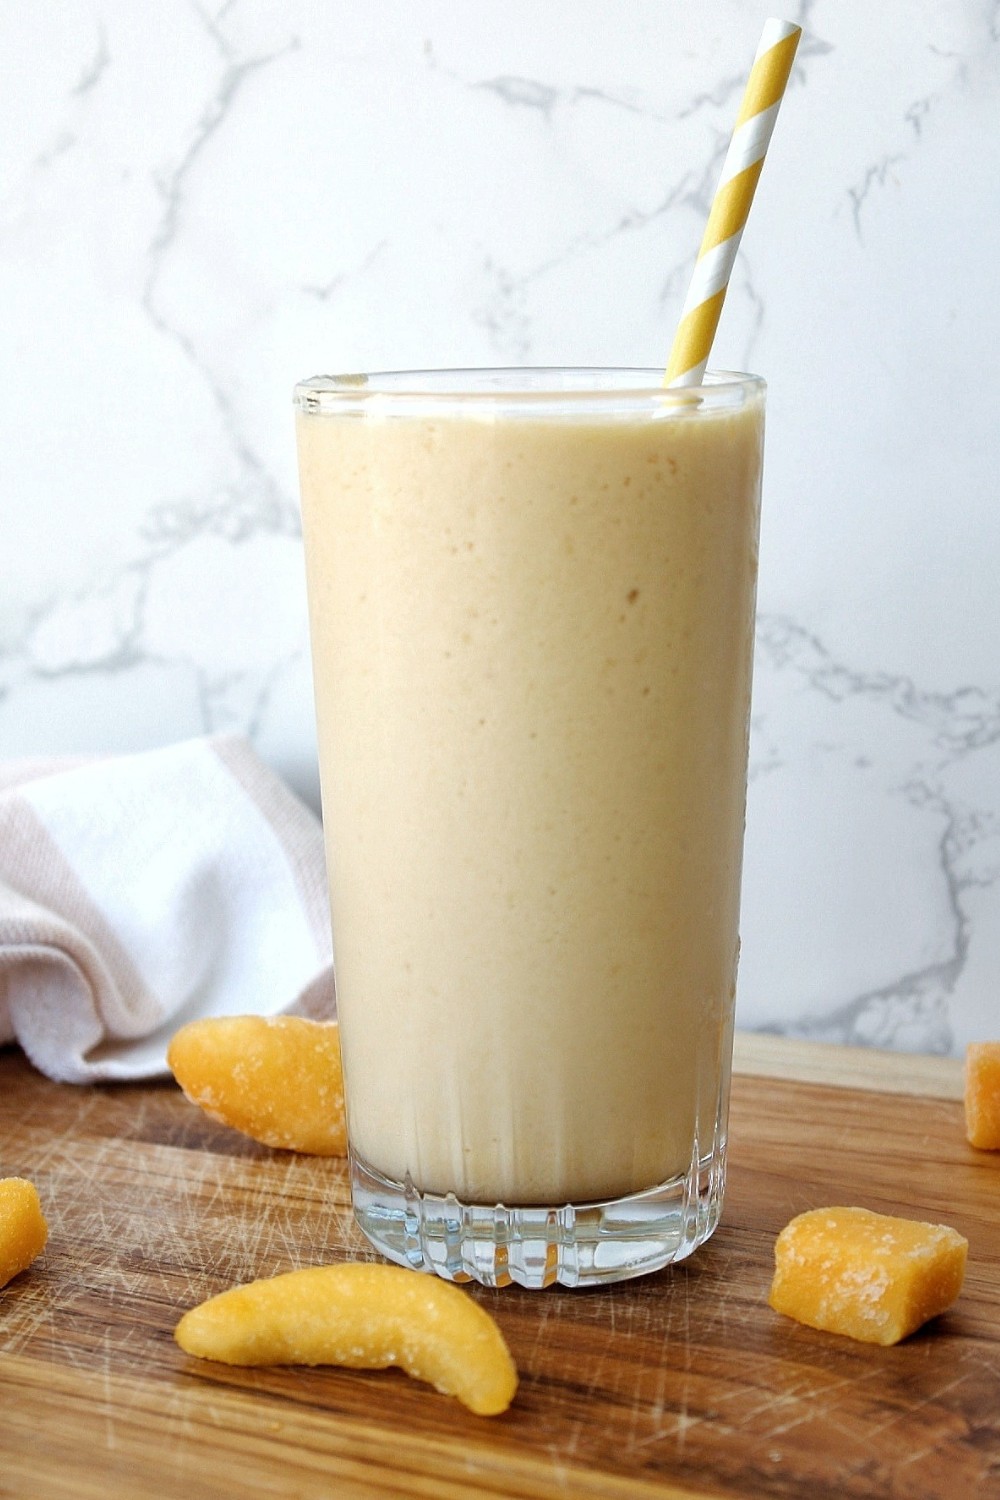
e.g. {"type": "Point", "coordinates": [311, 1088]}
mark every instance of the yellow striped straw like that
{"type": "Point", "coordinates": [731, 204]}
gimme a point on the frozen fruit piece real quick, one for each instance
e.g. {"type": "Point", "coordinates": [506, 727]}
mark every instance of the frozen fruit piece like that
{"type": "Point", "coordinates": [866, 1275]}
{"type": "Point", "coordinates": [363, 1316]}
{"type": "Point", "coordinates": [982, 1095]}
{"type": "Point", "coordinates": [276, 1078]}
{"type": "Point", "coordinates": [23, 1230]}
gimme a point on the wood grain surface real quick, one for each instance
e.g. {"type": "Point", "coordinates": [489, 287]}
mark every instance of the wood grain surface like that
{"type": "Point", "coordinates": [679, 1384]}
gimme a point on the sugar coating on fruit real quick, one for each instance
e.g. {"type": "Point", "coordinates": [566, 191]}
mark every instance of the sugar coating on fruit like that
{"type": "Point", "coordinates": [365, 1317]}
{"type": "Point", "coordinates": [277, 1079]}
{"type": "Point", "coordinates": [23, 1230]}
{"type": "Point", "coordinates": [982, 1095]}
{"type": "Point", "coordinates": [870, 1276]}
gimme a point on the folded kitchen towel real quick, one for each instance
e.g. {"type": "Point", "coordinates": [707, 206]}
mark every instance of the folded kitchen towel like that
{"type": "Point", "coordinates": [143, 891]}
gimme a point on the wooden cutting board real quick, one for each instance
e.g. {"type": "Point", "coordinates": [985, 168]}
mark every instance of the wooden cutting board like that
{"type": "Point", "coordinates": [679, 1384]}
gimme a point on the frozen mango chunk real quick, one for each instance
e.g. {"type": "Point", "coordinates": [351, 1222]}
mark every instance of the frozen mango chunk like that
{"type": "Point", "coordinates": [363, 1316]}
{"type": "Point", "coordinates": [982, 1095]}
{"type": "Point", "coordinates": [277, 1079]}
{"type": "Point", "coordinates": [866, 1275]}
{"type": "Point", "coordinates": [23, 1230]}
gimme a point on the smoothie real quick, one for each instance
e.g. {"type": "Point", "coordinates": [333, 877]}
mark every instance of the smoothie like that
{"type": "Point", "coordinates": [532, 627]}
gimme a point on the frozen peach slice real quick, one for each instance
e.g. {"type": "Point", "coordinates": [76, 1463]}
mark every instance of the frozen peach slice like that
{"type": "Point", "coordinates": [23, 1230]}
{"type": "Point", "coordinates": [982, 1095]}
{"type": "Point", "coordinates": [866, 1275]}
{"type": "Point", "coordinates": [363, 1316]}
{"type": "Point", "coordinates": [275, 1078]}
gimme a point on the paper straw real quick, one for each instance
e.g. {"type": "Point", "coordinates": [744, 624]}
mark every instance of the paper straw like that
{"type": "Point", "coordinates": [731, 204]}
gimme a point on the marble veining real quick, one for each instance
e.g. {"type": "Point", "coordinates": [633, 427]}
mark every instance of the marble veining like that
{"type": "Point", "coordinates": [202, 203]}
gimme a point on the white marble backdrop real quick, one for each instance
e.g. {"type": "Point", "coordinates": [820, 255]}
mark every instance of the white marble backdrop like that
{"type": "Point", "coordinates": [202, 202]}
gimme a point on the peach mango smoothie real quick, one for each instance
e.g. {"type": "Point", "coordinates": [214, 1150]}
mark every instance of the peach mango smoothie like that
{"type": "Point", "coordinates": [532, 639]}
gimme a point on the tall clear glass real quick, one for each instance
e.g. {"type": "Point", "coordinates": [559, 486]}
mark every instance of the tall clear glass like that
{"type": "Point", "coordinates": [532, 600]}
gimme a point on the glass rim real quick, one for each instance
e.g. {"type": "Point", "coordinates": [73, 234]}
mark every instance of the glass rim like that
{"type": "Point", "coordinates": [531, 385]}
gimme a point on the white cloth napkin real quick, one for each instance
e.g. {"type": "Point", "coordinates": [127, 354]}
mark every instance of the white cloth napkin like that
{"type": "Point", "coordinates": [140, 892]}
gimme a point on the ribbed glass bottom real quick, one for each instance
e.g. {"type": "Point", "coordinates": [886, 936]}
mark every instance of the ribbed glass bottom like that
{"type": "Point", "coordinates": [574, 1245]}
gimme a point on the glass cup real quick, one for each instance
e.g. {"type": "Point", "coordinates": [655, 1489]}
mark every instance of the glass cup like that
{"type": "Point", "coordinates": [531, 602]}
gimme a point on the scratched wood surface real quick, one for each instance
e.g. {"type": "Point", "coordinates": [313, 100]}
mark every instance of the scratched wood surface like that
{"type": "Point", "coordinates": [679, 1384]}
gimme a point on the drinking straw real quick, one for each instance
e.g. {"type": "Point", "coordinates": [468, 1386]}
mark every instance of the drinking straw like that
{"type": "Point", "coordinates": [731, 204]}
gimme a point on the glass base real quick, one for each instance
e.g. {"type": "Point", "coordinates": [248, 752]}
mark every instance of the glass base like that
{"type": "Point", "coordinates": [573, 1245]}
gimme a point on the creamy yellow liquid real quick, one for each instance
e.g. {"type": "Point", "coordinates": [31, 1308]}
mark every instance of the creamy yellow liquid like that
{"type": "Point", "coordinates": [532, 648]}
